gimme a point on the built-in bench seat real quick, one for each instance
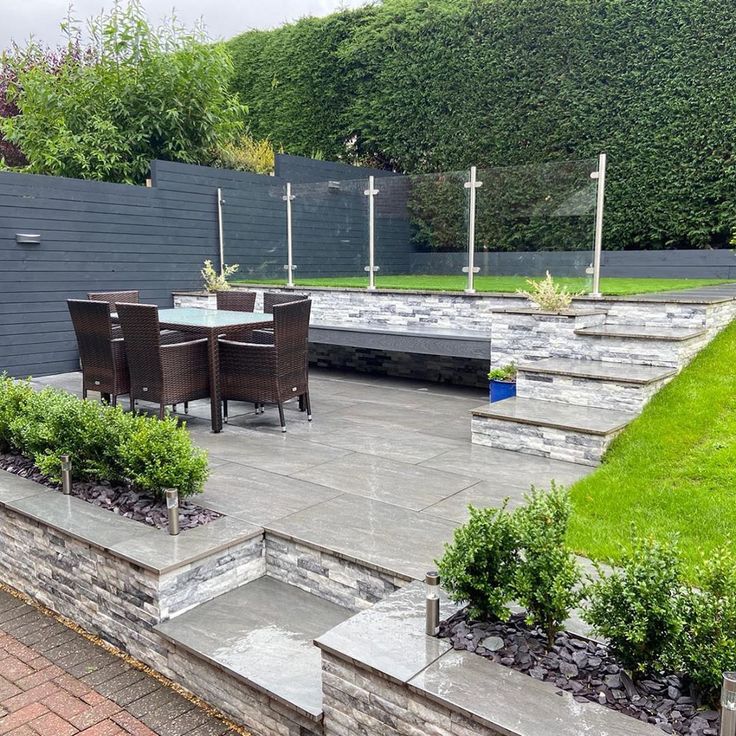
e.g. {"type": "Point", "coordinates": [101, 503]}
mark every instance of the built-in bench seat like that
{"type": "Point", "coordinates": [415, 339]}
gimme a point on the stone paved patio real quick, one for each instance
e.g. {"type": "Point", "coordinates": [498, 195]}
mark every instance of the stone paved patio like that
{"type": "Point", "coordinates": [54, 682]}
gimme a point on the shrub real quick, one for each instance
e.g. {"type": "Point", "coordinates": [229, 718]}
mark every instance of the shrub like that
{"type": "Point", "coordinates": [638, 607]}
{"type": "Point", "coordinates": [146, 93]}
{"type": "Point", "coordinates": [504, 373]}
{"type": "Point", "coordinates": [214, 281]}
{"type": "Point", "coordinates": [247, 154]}
{"type": "Point", "coordinates": [479, 566]}
{"type": "Point", "coordinates": [105, 443]}
{"type": "Point", "coordinates": [548, 296]}
{"type": "Point", "coordinates": [707, 646]}
{"type": "Point", "coordinates": [548, 578]}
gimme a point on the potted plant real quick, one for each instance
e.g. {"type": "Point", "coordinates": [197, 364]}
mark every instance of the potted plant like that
{"type": "Point", "coordinates": [548, 296]}
{"type": "Point", "coordinates": [214, 281]}
{"type": "Point", "coordinates": [502, 383]}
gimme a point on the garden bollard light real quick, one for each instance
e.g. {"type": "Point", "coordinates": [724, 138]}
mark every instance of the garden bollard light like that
{"type": "Point", "coordinates": [66, 475]}
{"type": "Point", "coordinates": [432, 581]}
{"type": "Point", "coordinates": [728, 704]}
{"type": "Point", "coordinates": [172, 504]}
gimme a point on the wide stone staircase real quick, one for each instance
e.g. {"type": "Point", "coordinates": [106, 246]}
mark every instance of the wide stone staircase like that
{"type": "Point", "coordinates": [579, 385]}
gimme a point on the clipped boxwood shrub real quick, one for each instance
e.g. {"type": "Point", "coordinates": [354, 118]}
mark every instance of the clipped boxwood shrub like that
{"type": "Point", "coordinates": [105, 443]}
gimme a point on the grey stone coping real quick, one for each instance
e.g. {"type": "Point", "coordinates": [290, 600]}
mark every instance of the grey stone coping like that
{"type": "Point", "coordinates": [262, 634]}
{"type": "Point", "coordinates": [567, 417]}
{"type": "Point", "coordinates": [514, 704]}
{"type": "Point", "coordinates": [637, 332]}
{"type": "Point", "coordinates": [598, 370]}
{"type": "Point", "coordinates": [543, 313]}
{"type": "Point", "coordinates": [389, 638]}
{"type": "Point", "coordinates": [410, 339]}
{"type": "Point", "coordinates": [149, 548]}
{"type": "Point", "coordinates": [370, 533]}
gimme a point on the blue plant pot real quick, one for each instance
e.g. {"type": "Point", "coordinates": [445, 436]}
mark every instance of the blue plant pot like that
{"type": "Point", "coordinates": [500, 390]}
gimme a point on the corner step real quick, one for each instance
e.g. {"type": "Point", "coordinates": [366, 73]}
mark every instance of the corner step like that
{"type": "Point", "coordinates": [576, 434]}
{"type": "Point", "coordinates": [637, 332]}
{"type": "Point", "coordinates": [259, 635]}
{"type": "Point", "coordinates": [592, 383]}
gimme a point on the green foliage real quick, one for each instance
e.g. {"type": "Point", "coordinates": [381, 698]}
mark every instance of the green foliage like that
{"type": "Point", "coordinates": [214, 280]}
{"type": "Point", "coordinates": [548, 295]}
{"type": "Point", "coordinates": [145, 93]}
{"type": "Point", "coordinates": [638, 607]}
{"type": "Point", "coordinates": [707, 645]}
{"type": "Point", "coordinates": [246, 154]}
{"type": "Point", "coordinates": [548, 579]}
{"type": "Point", "coordinates": [431, 86]}
{"type": "Point", "coordinates": [479, 566]}
{"type": "Point", "coordinates": [504, 373]}
{"type": "Point", "coordinates": [105, 443]}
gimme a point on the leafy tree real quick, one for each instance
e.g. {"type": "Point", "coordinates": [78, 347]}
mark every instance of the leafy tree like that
{"type": "Point", "coordinates": [142, 93]}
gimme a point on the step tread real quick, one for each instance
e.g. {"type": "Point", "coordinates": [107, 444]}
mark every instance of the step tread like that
{"type": "Point", "coordinates": [262, 633]}
{"type": "Point", "coordinates": [599, 370]}
{"type": "Point", "coordinates": [640, 332]}
{"type": "Point", "coordinates": [584, 419]}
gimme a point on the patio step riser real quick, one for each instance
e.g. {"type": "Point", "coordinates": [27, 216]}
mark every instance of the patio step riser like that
{"type": "Point", "coordinates": [581, 391]}
{"type": "Point", "coordinates": [641, 351]}
{"type": "Point", "coordinates": [667, 315]}
{"type": "Point", "coordinates": [558, 444]}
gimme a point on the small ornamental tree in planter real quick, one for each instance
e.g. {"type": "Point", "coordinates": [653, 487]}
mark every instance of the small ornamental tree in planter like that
{"type": "Point", "coordinates": [214, 281]}
{"type": "Point", "coordinates": [547, 296]}
{"type": "Point", "coordinates": [502, 383]}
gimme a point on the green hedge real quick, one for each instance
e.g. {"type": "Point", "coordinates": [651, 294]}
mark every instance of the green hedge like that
{"type": "Point", "coordinates": [429, 86]}
{"type": "Point", "coordinates": [104, 442]}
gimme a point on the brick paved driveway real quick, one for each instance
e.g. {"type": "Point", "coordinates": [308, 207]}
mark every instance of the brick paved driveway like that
{"type": "Point", "coordinates": [54, 682]}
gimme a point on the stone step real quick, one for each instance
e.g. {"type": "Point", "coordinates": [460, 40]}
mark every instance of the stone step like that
{"type": "Point", "coordinates": [602, 384]}
{"type": "Point", "coordinates": [576, 434]}
{"type": "Point", "coordinates": [641, 345]}
{"type": "Point", "coordinates": [261, 636]}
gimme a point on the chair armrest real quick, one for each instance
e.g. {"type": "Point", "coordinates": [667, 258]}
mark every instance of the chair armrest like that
{"type": "Point", "coordinates": [193, 352]}
{"type": "Point", "coordinates": [247, 356]}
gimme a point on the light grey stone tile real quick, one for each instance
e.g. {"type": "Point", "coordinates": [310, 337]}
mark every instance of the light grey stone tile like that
{"type": "Point", "coordinates": [13, 487]}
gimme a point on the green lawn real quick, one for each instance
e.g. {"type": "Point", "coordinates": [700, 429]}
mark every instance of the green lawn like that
{"type": "Point", "coordinates": [673, 470]}
{"type": "Point", "coordinates": [505, 284]}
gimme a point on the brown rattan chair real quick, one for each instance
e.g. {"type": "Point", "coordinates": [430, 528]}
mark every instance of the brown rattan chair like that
{"type": "Point", "coordinates": [113, 297]}
{"type": "Point", "coordinates": [102, 356]}
{"type": "Point", "coordinates": [270, 373]}
{"type": "Point", "coordinates": [161, 373]}
{"type": "Point", "coordinates": [236, 300]}
{"type": "Point", "coordinates": [272, 298]}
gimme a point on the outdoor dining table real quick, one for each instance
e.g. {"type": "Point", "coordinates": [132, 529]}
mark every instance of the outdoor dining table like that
{"type": "Point", "coordinates": [211, 323]}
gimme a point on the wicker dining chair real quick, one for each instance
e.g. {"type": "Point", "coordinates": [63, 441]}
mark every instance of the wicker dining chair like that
{"type": "Point", "coordinates": [113, 297]}
{"type": "Point", "coordinates": [161, 373]}
{"type": "Point", "coordinates": [236, 300]}
{"type": "Point", "coordinates": [102, 356]}
{"type": "Point", "coordinates": [271, 373]}
{"type": "Point", "coordinates": [272, 298]}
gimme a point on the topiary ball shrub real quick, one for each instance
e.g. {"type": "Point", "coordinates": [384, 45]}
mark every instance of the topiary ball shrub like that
{"type": "Point", "coordinates": [479, 566]}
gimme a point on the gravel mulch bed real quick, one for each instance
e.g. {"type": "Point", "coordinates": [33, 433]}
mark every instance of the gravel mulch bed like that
{"type": "Point", "coordinates": [119, 500]}
{"type": "Point", "coordinates": [585, 669]}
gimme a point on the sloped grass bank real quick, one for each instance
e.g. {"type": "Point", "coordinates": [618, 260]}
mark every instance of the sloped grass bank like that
{"type": "Point", "coordinates": [672, 471]}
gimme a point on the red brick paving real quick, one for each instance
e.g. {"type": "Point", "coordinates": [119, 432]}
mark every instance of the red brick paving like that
{"type": "Point", "coordinates": [39, 698]}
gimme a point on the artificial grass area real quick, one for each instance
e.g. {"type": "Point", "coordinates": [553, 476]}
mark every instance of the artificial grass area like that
{"type": "Point", "coordinates": [672, 470]}
{"type": "Point", "coordinates": [504, 284]}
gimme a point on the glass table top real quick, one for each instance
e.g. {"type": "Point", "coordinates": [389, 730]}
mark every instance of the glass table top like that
{"type": "Point", "coordinates": [194, 317]}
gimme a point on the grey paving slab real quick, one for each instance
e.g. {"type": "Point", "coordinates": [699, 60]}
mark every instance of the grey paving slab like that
{"type": "Point", "coordinates": [555, 414]}
{"type": "Point", "coordinates": [78, 518]}
{"type": "Point", "coordinates": [483, 494]}
{"type": "Point", "coordinates": [13, 487]}
{"type": "Point", "coordinates": [263, 633]}
{"type": "Point", "coordinates": [281, 454]}
{"type": "Point", "coordinates": [602, 370]}
{"type": "Point", "coordinates": [389, 637]}
{"type": "Point", "coordinates": [506, 468]}
{"type": "Point", "coordinates": [258, 496]}
{"type": "Point", "coordinates": [403, 484]}
{"type": "Point", "coordinates": [321, 427]}
{"type": "Point", "coordinates": [161, 552]}
{"type": "Point", "coordinates": [515, 704]}
{"type": "Point", "coordinates": [370, 532]}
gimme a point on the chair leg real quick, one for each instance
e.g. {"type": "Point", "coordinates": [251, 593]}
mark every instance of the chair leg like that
{"type": "Point", "coordinates": [173, 408]}
{"type": "Point", "coordinates": [301, 402]}
{"type": "Point", "coordinates": [255, 407]}
{"type": "Point", "coordinates": [224, 410]}
{"type": "Point", "coordinates": [114, 400]}
{"type": "Point", "coordinates": [161, 410]}
{"type": "Point", "coordinates": [132, 405]}
{"type": "Point", "coordinates": [105, 398]}
{"type": "Point", "coordinates": [281, 417]}
{"type": "Point", "coordinates": [84, 393]}
{"type": "Point", "coordinates": [308, 404]}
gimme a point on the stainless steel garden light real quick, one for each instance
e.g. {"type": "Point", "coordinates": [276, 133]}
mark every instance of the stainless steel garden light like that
{"type": "Point", "coordinates": [728, 704]}
{"type": "Point", "coordinates": [66, 475]}
{"type": "Point", "coordinates": [432, 581]}
{"type": "Point", "coordinates": [172, 504]}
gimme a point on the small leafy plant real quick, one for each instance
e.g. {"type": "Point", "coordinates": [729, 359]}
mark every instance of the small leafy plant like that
{"type": "Point", "coordinates": [247, 154]}
{"type": "Point", "coordinates": [638, 607]}
{"type": "Point", "coordinates": [480, 565]}
{"type": "Point", "coordinates": [214, 281]}
{"type": "Point", "coordinates": [505, 373]}
{"type": "Point", "coordinates": [548, 296]}
{"type": "Point", "coordinates": [548, 578]}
